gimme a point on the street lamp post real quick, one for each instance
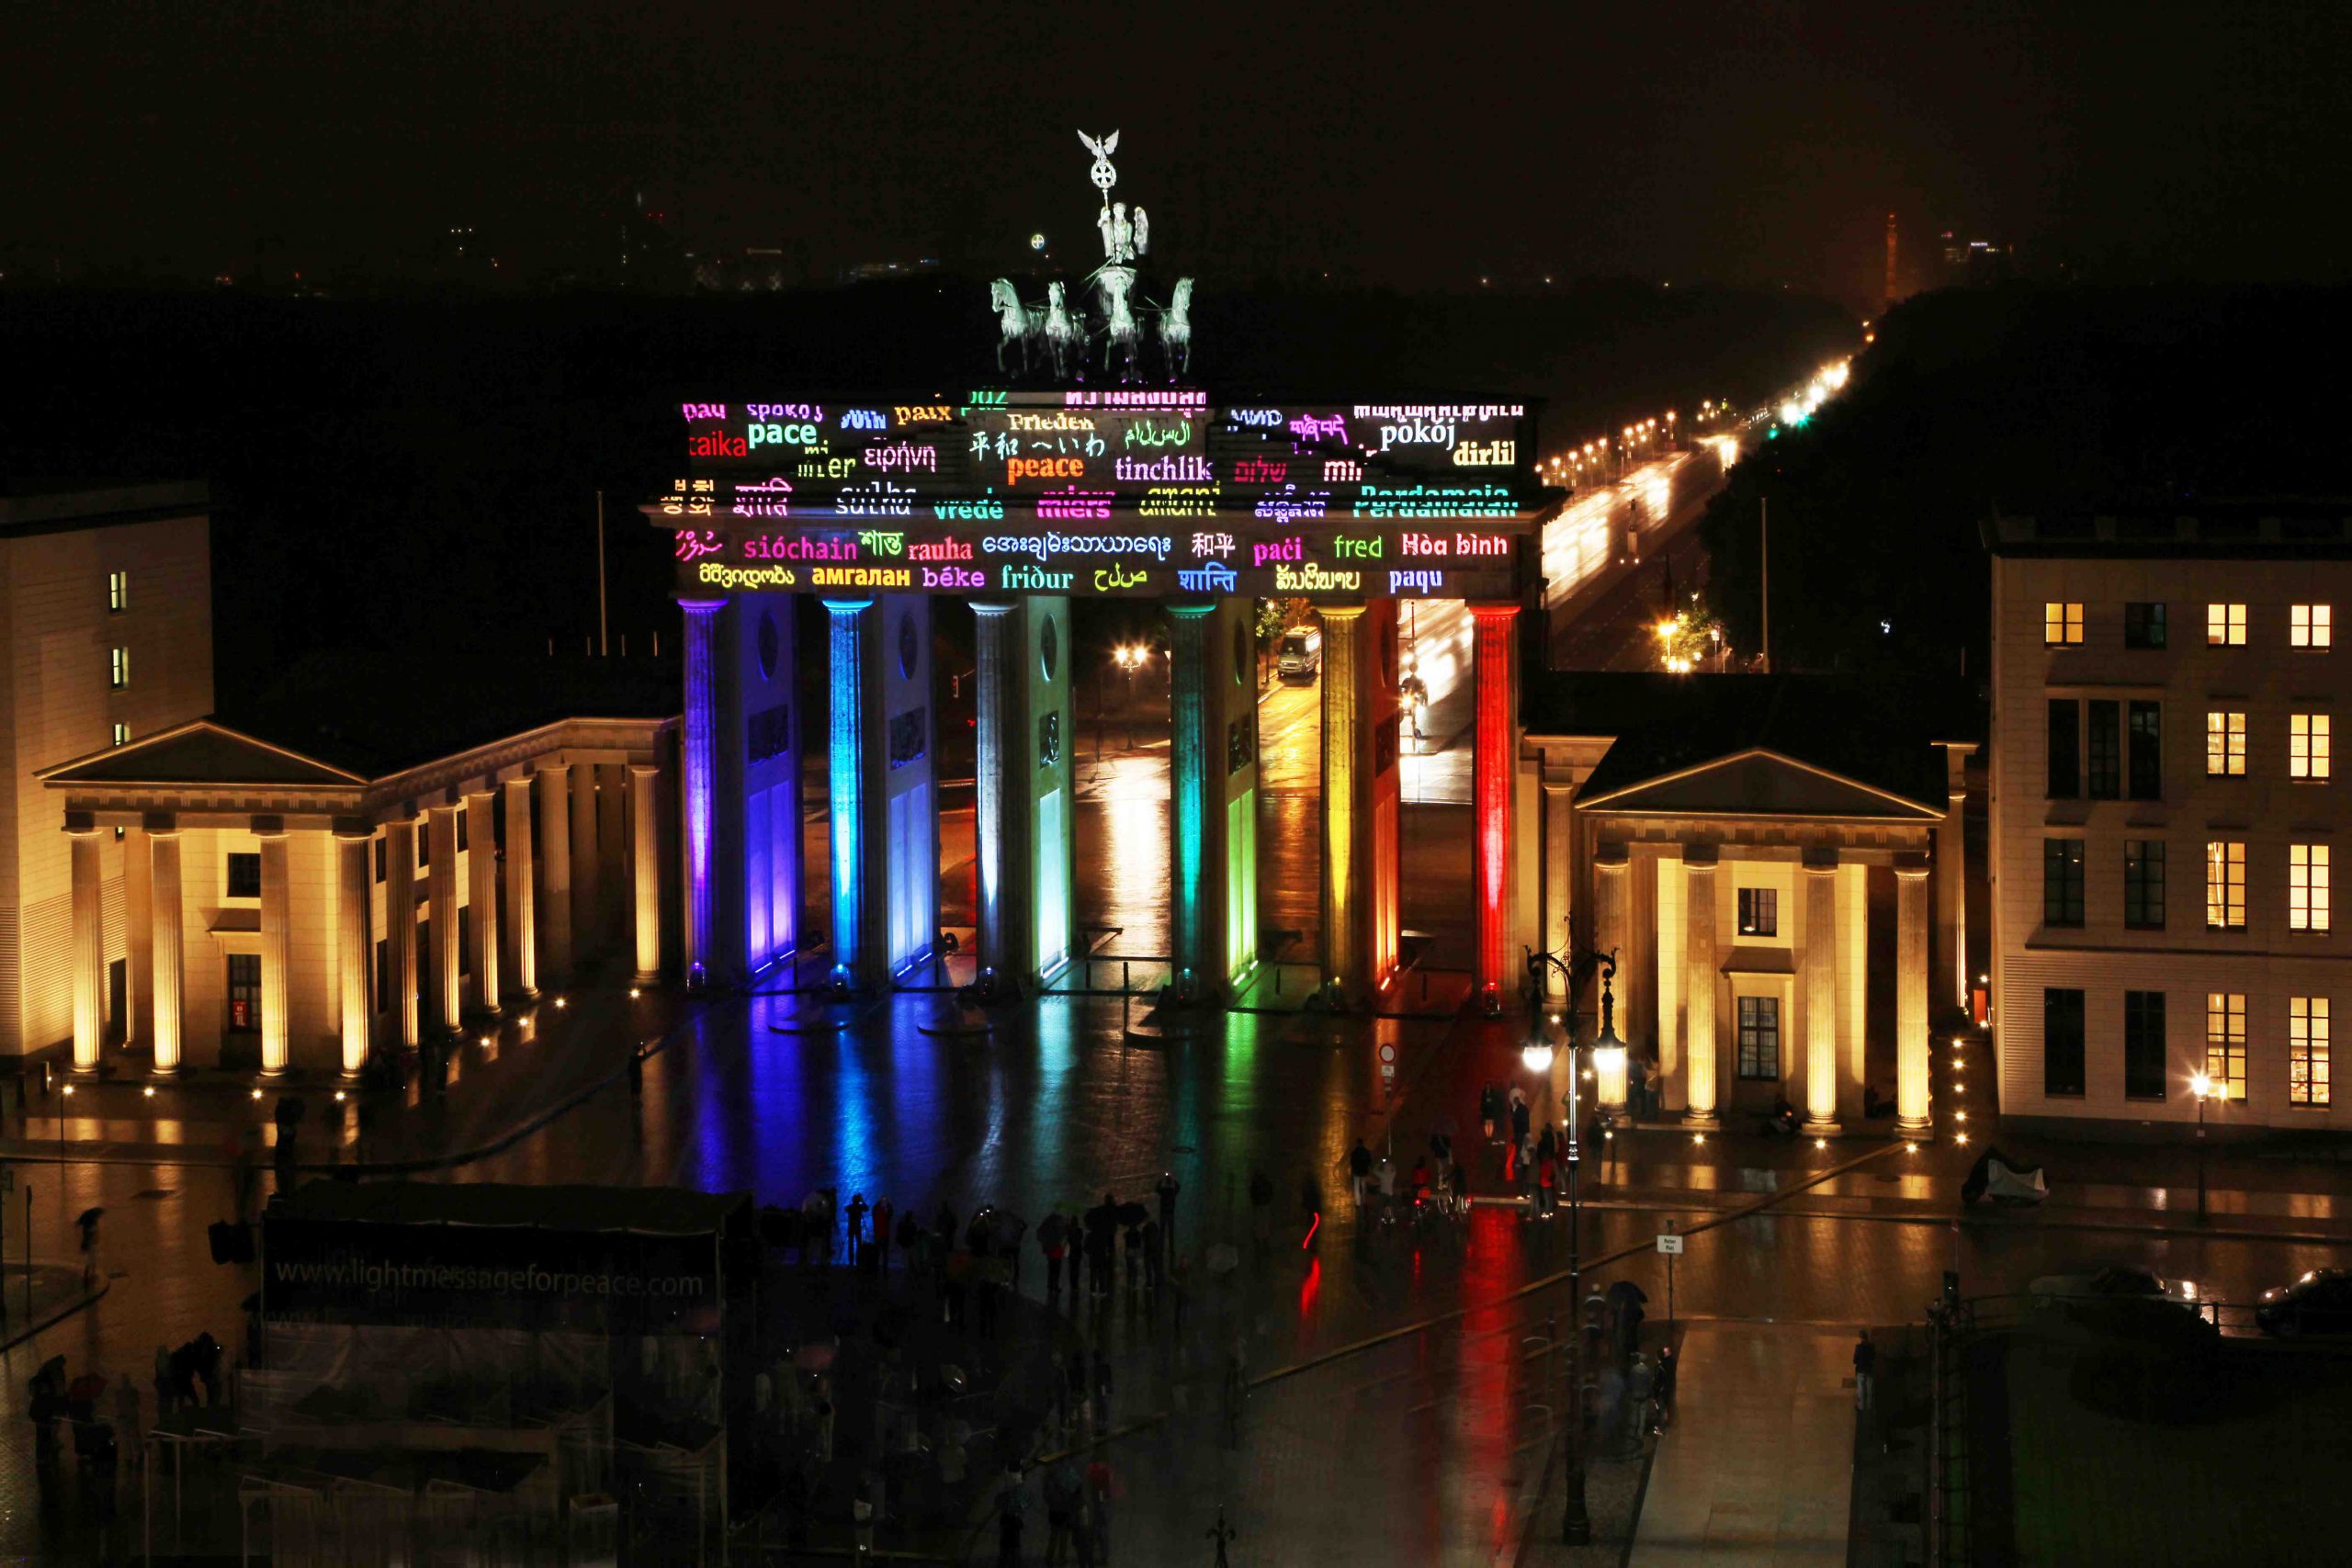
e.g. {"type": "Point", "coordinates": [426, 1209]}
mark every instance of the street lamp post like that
{"type": "Point", "coordinates": [1608, 1055]}
{"type": "Point", "coordinates": [2200, 1085]}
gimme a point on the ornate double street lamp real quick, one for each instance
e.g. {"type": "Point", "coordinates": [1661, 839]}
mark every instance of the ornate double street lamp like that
{"type": "Point", "coordinates": [1609, 1067]}
{"type": "Point", "coordinates": [2202, 1088]}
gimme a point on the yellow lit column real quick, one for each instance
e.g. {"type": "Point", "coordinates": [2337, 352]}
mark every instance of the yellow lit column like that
{"type": "Point", "coordinates": [1611, 876]}
{"type": "Point", "coordinates": [1699, 984]}
{"type": "Point", "coordinates": [645, 868]}
{"type": "Point", "coordinates": [1911, 1043]}
{"type": "Point", "coordinates": [353, 944]}
{"type": "Point", "coordinates": [482, 897]}
{"type": "Point", "coordinates": [275, 912]}
{"type": "Point", "coordinates": [399, 928]}
{"type": "Point", "coordinates": [441, 892]}
{"type": "Point", "coordinates": [166, 942]}
{"type": "Point", "coordinates": [1559, 840]}
{"type": "Point", "coordinates": [139, 933]}
{"type": "Point", "coordinates": [1951, 875]}
{"type": "Point", "coordinates": [612, 840]}
{"type": "Point", "coordinates": [555, 872]}
{"type": "Point", "coordinates": [1346, 887]}
{"type": "Point", "coordinates": [89, 946]}
{"type": "Point", "coordinates": [583, 858]}
{"type": "Point", "coordinates": [520, 929]}
{"type": "Point", "coordinates": [1818, 880]}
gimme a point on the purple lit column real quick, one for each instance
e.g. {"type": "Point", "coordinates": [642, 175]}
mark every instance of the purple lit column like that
{"type": "Point", "coordinates": [700, 763]}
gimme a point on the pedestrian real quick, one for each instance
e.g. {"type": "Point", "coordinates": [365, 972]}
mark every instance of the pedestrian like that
{"type": "Point", "coordinates": [1135, 1257]}
{"type": "Point", "coordinates": [1490, 1109]}
{"type": "Point", "coordinates": [1359, 1170]}
{"type": "Point", "coordinates": [1065, 1498]}
{"type": "Point", "coordinates": [1261, 1204]}
{"type": "Point", "coordinates": [86, 1222]}
{"type": "Point", "coordinates": [1547, 1177]}
{"type": "Point", "coordinates": [1167, 1187]}
{"type": "Point", "coordinates": [1666, 1362]}
{"type": "Point", "coordinates": [882, 1234]}
{"type": "Point", "coordinates": [1008, 1519]}
{"type": "Point", "coordinates": [1101, 1487]}
{"type": "Point", "coordinates": [207, 1366]}
{"type": "Point", "coordinates": [855, 1233]}
{"type": "Point", "coordinates": [1099, 1243]}
{"type": "Point", "coordinates": [861, 1513]}
{"type": "Point", "coordinates": [1865, 1368]}
{"type": "Point", "coordinates": [1518, 1115]}
{"type": "Point", "coordinates": [1652, 1090]}
{"type": "Point", "coordinates": [129, 1431]}
{"type": "Point", "coordinates": [166, 1386]}
{"type": "Point", "coordinates": [1155, 1262]}
{"type": "Point", "coordinates": [1049, 1242]}
{"type": "Point", "coordinates": [1101, 1393]}
{"type": "Point", "coordinates": [1548, 1145]}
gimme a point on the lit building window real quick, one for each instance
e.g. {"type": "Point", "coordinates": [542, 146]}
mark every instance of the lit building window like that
{"type": "Point", "coordinates": [2307, 1052]}
{"type": "Point", "coordinates": [2310, 625]}
{"type": "Point", "coordinates": [2225, 625]}
{"type": "Point", "coordinates": [2308, 755]}
{"type": "Point", "coordinates": [123, 735]}
{"type": "Point", "coordinates": [2061, 882]}
{"type": "Point", "coordinates": [118, 669]}
{"type": "Point", "coordinates": [117, 592]}
{"type": "Point", "coordinates": [2062, 624]}
{"type": "Point", "coordinates": [1760, 911]}
{"type": "Point", "coordinates": [2225, 885]}
{"type": "Point", "coordinates": [2224, 745]}
{"type": "Point", "coordinates": [2225, 1043]}
{"type": "Point", "coordinates": [2309, 906]}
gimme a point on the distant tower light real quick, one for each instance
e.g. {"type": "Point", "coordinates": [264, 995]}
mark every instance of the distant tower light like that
{"type": "Point", "coordinates": [1036, 241]}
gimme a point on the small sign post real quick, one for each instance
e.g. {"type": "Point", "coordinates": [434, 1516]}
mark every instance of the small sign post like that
{"type": "Point", "coordinates": [1671, 1244]}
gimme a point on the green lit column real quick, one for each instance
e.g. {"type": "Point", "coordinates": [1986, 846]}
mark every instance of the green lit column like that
{"type": "Point", "coordinates": [1213, 724]}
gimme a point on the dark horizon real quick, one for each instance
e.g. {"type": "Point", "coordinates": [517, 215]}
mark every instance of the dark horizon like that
{"type": "Point", "coordinates": [1670, 142]}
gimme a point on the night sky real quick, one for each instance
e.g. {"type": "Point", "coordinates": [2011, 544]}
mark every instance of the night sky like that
{"type": "Point", "coordinates": [1416, 146]}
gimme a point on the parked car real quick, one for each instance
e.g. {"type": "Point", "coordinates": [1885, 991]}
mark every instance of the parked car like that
{"type": "Point", "coordinates": [2319, 1302]}
{"type": "Point", "coordinates": [2114, 1281]}
{"type": "Point", "coordinates": [1300, 658]}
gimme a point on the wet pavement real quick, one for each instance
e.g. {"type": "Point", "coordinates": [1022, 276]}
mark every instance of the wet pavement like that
{"type": "Point", "coordinates": [1395, 1411]}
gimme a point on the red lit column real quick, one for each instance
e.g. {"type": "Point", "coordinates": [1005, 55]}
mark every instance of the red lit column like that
{"type": "Point", "coordinates": [1493, 754]}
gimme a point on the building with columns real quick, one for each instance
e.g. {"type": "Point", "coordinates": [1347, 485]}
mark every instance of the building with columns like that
{"type": "Point", "coordinates": [105, 632]}
{"type": "Point", "coordinates": [281, 913]}
{"type": "Point", "coordinates": [1773, 861]}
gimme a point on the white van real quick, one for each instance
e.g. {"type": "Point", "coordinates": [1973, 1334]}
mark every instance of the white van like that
{"type": "Point", "coordinates": [1300, 658]}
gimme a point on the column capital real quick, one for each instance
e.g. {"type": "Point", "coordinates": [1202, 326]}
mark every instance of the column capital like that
{"type": "Point", "coordinates": [1821, 861]}
{"type": "Point", "coordinates": [698, 606]}
{"type": "Point", "coordinates": [1189, 611]}
{"type": "Point", "coordinates": [81, 825]}
{"type": "Point", "coordinates": [1911, 864]}
{"type": "Point", "coordinates": [269, 827]}
{"type": "Point", "coordinates": [995, 606]}
{"type": "Point", "coordinates": [1493, 612]}
{"type": "Point", "coordinates": [1700, 857]}
{"type": "Point", "coordinates": [551, 765]}
{"type": "Point", "coordinates": [1340, 612]}
{"type": "Point", "coordinates": [160, 822]}
{"type": "Point", "coordinates": [848, 606]}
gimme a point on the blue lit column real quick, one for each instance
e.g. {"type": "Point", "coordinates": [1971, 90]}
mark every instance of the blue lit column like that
{"type": "Point", "coordinates": [855, 772]}
{"type": "Point", "coordinates": [1001, 831]}
{"type": "Point", "coordinates": [698, 750]}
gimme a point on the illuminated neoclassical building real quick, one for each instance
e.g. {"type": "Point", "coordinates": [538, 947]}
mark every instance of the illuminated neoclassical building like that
{"type": "Point", "coordinates": [185, 894]}
{"type": "Point", "coordinates": [1776, 863]}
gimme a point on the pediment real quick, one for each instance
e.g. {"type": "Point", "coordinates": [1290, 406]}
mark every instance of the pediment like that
{"type": "Point", "coordinates": [200, 754]}
{"type": "Point", "coordinates": [1758, 782]}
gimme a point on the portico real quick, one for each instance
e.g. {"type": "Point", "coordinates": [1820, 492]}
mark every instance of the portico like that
{"type": "Point", "coordinates": [299, 916]}
{"type": "Point", "coordinates": [1771, 915]}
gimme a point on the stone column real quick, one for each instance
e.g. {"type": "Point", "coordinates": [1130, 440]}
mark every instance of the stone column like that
{"type": "Point", "coordinates": [1612, 875]}
{"type": "Point", "coordinates": [856, 770]}
{"type": "Point", "coordinates": [1346, 885]}
{"type": "Point", "coordinates": [354, 946]}
{"type": "Point", "coordinates": [1951, 875]}
{"type": "Point", "coordinates": [1000, 835]}
{"type": "Point", "coordinates": [400, 929]}
{"type": "Point", "coordinates": [519, 932]}
{"type": "Point", "coordinates": [698, 753]}
{"type": "Point", "coordinates": [612, 837]}
{"type": "Point", "coordinates": [584, 848]}
{"type": "Point", "coordinates": [554, 844]}
{"type": "Point", "coordinates": [1493, 768]}
{"type": "Point", "coordinates": [1911, 1041]}
{"type": "Point", "coordinates": [1699, 984]}
{"type": "Point", "coordinates": [1196, 873]}
{"type": "Point", "coordinates": [166, 942]}
{"type": "Point", "coordinates": [441, 892]}
{"type": "Point", "coordinates": [89, 948]}
{"type": "Point", "coordinates": [276, 938]}
{"type": "Point", "coordinates": [481, 896]}
{"type": "Point", "coordinates": [645, 868]}
{"type": "Point", "coordinates": [1818, 887]}
{"type": "Point", "coordinates": [1559, 856]}
{"type": "Point", "coordinates": [139, 930]}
